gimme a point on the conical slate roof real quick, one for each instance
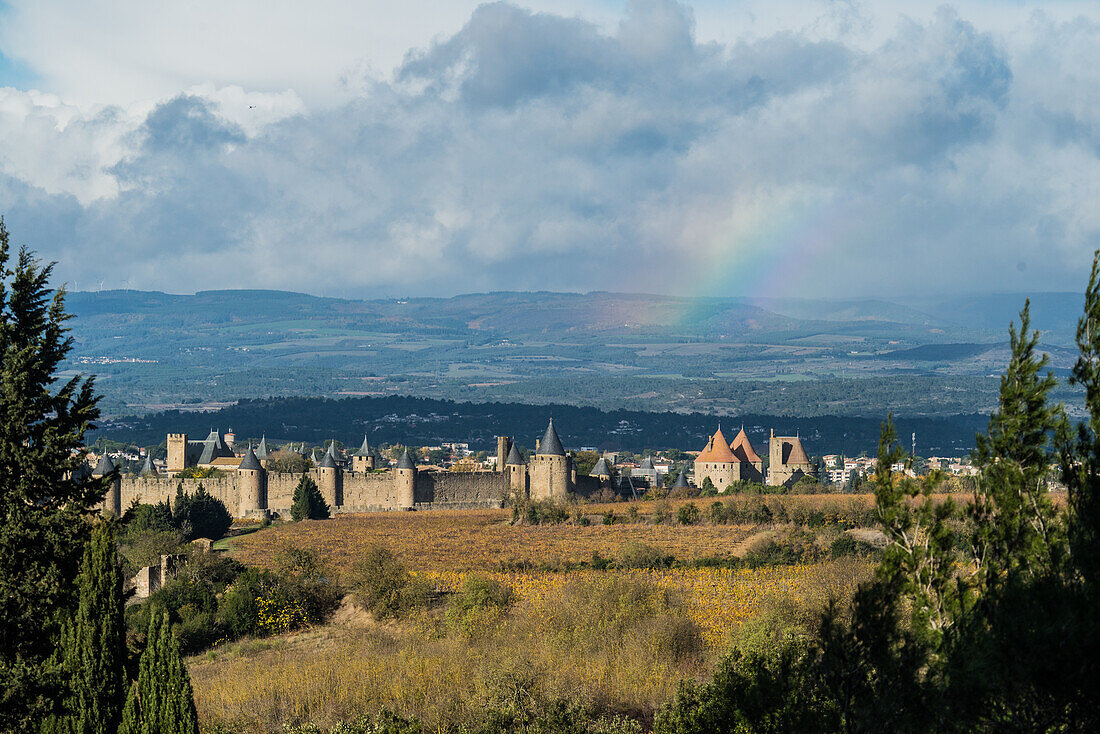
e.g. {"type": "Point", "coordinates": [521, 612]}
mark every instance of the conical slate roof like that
{"type": "Point", "coordinates": [302, 450]}
{"type": "Point", "coordinates": [600, 470]}
{"type": "Point", "coordinates": [82, 472]}
{"type": "Point", "coordinates": [551, 444]}
{"type": "Point", "coordinates": [147, 467]}
{"type": "Point", "coordinates": [315, 458]}
{"type": "Point", "coordinates": [364, 450]}
{"type": "Point", "coordinates": [742, 449]}
{"type": "Point", "coordinates": [514, 457]}
{"type": "Point", "coordinates": [405, 462]}
{"type": "Point", "coordinates": [331, 451]}
{"type": "Point", "coordinates": [250, 462]}
{"type": "Point", "coordinates": [261, 450]}
{"type": "Point", "coordinates": [214, 448]}
{"type": "Point", "coordinates": [646, 465]}
{"type": "Point", "coordinates": [327, 462]}
{"type": "Point", "coordinates": [104, 467]}
{"type": "Point", "coordinates": [681, 481]}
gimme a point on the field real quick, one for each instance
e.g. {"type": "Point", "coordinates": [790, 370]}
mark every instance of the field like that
{"type": "Point", "coordinates": [614, 640]}
{"type": "Point", "coordinates": [484, 540]}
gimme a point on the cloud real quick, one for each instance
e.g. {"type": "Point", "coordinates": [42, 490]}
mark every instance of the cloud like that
{"type": "Point", "coordinates": [531, 150]}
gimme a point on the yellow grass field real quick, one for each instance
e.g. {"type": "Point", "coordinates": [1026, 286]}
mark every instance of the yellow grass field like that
{"type": "Point", "coordinates": [615, 640]}
{"type": "Point", "coordinates": [467, 540]}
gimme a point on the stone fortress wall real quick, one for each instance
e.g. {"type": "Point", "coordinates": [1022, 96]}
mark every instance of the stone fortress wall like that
{"type": "Point", "coordinates": [249, 490]}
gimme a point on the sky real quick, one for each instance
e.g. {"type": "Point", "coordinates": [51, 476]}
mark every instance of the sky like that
{"type": "Point", "coordinates": [821, 148]}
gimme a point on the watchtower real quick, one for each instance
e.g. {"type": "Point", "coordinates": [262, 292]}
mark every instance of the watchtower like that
{"type": "Point", "coordinates": [330, 480]}
{"type": "Point", "coordinates": [112, 503]}
{"type": "Point", "coordinates": [405, 482]}
{"type": "Point", "coordinates": [252, 486]}
{"type": "Point", "coordinates": [177, 452]}
{"type": "Point", "coordinates": [550, 470]}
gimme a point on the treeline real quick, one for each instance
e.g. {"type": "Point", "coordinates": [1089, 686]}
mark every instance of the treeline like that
{"type": "Point", "coordinates": [423, 421]}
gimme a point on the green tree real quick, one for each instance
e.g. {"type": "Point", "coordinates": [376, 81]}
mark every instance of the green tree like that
{"type": "Point", "coordinates": [94, 643]}
{"type": "Point", "coordinates": [162, 701]}
{"type": "Point", "coordinates": [43, 498]}
{"type": "Point", "coordinates": [308, 504]}
{"type": "Point", "coordinates": [200, 515]}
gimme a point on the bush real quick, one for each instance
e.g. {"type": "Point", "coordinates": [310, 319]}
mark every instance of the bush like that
{"type": "Point", "coordinates": [609, 517]}
{"type": "Point", "coordinates": [660, 511]}
{"type": "Point", "coordinates": [846, 545]}
{"type": "Point", "coordinates": [382, 586]}
{"type": "Point", "coordinates": [688, 514]}
{"type": "Point", "coordinates": [478, 606]}
{"type": "Point", "coordinates": [717, 513]}
{"type": "Point", "coordinates": [642, 555]}
{"type": "Point", "coordinates": [538, 512]}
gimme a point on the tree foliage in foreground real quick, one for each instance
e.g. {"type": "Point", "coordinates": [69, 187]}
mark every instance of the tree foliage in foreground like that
{"type": "Point", "coordinates": [43, 504]}
{"type": "Point", "coordinates": [161, 702]}
{"type": "Point", "coordinates": [980, 617]}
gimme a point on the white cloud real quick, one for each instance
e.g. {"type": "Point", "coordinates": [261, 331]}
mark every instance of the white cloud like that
{"type": "Point", "coordinates": [816, 148]}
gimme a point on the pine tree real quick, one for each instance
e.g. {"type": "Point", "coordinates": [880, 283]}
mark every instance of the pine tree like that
{"type": "Point", "coordinates": [43, 499]}
{"type": "Point", "coordinates": [308, 503]}
{"type": "Point", "coordinates": [94, 642]}
{"type": "Point", "coordinates": [162, 702]}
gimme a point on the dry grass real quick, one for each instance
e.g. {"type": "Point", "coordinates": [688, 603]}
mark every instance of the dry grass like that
{"type": "Point", "coordinates": [615, 642]}
{"type": "Point", "coordinates": [468, 540]}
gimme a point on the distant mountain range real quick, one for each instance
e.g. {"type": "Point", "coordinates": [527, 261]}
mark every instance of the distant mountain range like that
{"type": "Point", "coordinates": [608, 350]}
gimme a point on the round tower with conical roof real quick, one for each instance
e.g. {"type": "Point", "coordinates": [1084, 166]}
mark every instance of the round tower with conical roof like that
{"type": "Point", "coordinates": [329, 480]}
{"type": "Point", "coordinates": [550, 471]}
{"type": "Point", "coordinates": [112, 503]}
{"type": "Point", "coordinates": [252, 486]}
{"type": "Point", "coordinates": [405, 481]}
{"type": "Point", "coordinates": [517, 471]}
{"type": "Point", "coordinates": [363, 460]}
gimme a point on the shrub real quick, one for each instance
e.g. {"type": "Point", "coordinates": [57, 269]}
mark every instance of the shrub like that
{"type": "Point", "coordinates": [195, 472]}
{"type": "Point", "coordinates": [609, 517]}
{"type": "Point", "coordinates": [632, 513]}
{"type": "Point", "coordinates": [642, 555]}
{"type": "Point", "coordinates": [717, 513]}
{"type": "Point", "coordinates": [660, 511]}
{"type": "Point", "coordinates": [846, 545]}
{"type": "Point", "coordinates": [688, 514]}
{"type": "Point", "coordinates": [477, 607]}
{"type": "Point", "coordinates": [382, 585]}
{"type": "Point", "coordinates": [309, 582]}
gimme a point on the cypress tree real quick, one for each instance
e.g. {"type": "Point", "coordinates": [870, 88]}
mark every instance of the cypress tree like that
{"type": "Point", "coordinates": [43, 498]}
{"type": "Point", "coordinates": [94, 642]}
{"type": "Point", "coordinates": [162, 702]}
{"type": "Point", "coordinates": [309, 504]}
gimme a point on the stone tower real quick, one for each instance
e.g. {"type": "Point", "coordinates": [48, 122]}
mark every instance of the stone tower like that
{"type": "Point", "coordinates": [787, 460]}
{"type": "Point", "coordinates": [363, 459]}
{"type": "Point", "coordinates": [177, 452]}
{"type": "Point", "coordinates": [405, 482]}
{"type": "Point", "coordinates": [251, 486]}
{"type": "Point", "coordinates": [330, 480]}
{"type": "Point", "coordinates": [504, 446]}
{"type": "Point", "coordinates": [112, 503]}
{"type": "Point", "coordinates": [550, 471]}
{"type": "Point", "coordinates": [517, 471]}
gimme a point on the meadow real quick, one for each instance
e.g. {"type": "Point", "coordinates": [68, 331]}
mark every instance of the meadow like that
{"type": "Point", "coordinates": [580, 627]}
